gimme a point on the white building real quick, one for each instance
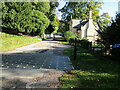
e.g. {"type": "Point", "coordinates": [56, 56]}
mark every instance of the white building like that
{"type": "Point", "coordinates": [86, 28]}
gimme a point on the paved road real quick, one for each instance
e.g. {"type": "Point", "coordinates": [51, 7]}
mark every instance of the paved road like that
{"type": "Point", "coordinates": [45, 54]}
{"type": "Point", "coordinates": [34, 61]}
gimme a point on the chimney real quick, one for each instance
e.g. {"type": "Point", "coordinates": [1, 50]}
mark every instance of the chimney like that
{"type": "Point", "coordinates": [90, 20]}
{"type": "Point", "coordinates": [90, 13]}
{"type": "Point", "coordinates": [90, 24]}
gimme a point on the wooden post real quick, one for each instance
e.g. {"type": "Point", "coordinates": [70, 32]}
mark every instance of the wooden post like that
{"type": "Point", "coordinates": [75, 49]}
{"type": "Point", "coordinates": [90, 46]}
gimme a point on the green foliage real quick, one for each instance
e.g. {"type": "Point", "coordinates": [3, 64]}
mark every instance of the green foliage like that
{"type": "Point", "coordinates": [16, 15]}
{"type": "Point", "coordinates": [39, 22]}
{"type": "Point", "coordinates": [59, 39]}
{"type": "Point", "coordinates": [111, 34]}
{"type": "Point", "coordinates": [115, 53]}
{"type": "Point", "coordinates": [105, 20]}
{"type": "Point", "coordinates": [42, 6]}
{"type": "Point", "coordinates": [54, 25]}
{"type": "Point", "coordinates": [69, 35]}
{"type": "Point", "coordinates": [80, 10]}
{"type": "Point", "coordinates": [72, 41]}
{"type": "Point", "coordinates": [61, 27]}
{"type": "Point", "coordinates": [29, 17]}
{"type": "Point", "coordinates": [84, 43]}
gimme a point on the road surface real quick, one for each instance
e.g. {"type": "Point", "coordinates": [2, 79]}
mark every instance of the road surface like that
{"type": "Point", "coordinates": [35, 66]}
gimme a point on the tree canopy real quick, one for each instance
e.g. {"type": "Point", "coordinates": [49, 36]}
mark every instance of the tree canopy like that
{"type": "Point", "coordinates": [29, 17]}
{"type": "Point", "coordinates": [111, 34]}
{"type": "Point", "coordinates": [80, 10]}
{"type": "Point", "coordinates": [53, 27]}
{"type": "Point", "coordinates": [104, 20]}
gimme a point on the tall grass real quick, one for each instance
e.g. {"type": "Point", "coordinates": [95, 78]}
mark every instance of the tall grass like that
{"type": "Point", "coordinates": [9, 42]}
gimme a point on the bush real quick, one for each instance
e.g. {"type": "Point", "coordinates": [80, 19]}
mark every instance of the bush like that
{"type": "Point", "coordinates": [69, 35]}
{"type": "Point", "coordinates": [84, 43]}
{"type": "Point", "coordinates": [115, 52]}
{"type": "Point", "coordinates": [71, 41]}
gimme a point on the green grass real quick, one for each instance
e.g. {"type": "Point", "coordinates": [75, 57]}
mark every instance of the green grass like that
{"type": "Point", "coordinates": [91, 71]}
{"type": "Point", "coordinates": [97, 46]}
{"type": "Point", "coordinates": [59, 39]}
{"type": "Point", "coordinates": [62, 40]}
{"type": "Point", "coordinates": [67, 43]}
{"type": "Point", "coordinates": [9, 42]}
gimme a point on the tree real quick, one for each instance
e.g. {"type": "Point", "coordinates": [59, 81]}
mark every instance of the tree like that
{"type": "Point", "coordinates": [54, 25]}
{"type": "Point", "coordinates": [30, 17]}
{"type": "Point", "coordinates": [80, 10]}
{"type": "Point", "coordinates": [0, 14]}
{"type": "Point", "coordinates": [25, 17]}
{"type": "Point", "coordinates": [62, 27]}
{"type": "Point", "coordinates": [39, 22]}
{"type": "Point", "coordinates": [16, 15]}
{"type": "Point", "coordinates": [111, 35]}
{"type": "Point", "coordinates": [105, 20]}
{"type": "Point", "coordinates": [44, 7]}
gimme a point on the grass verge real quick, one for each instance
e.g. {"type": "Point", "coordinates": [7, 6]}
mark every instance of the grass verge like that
{"type": "Point", "coordinates": [91, 71]}
{"type": "Point", "coordinates": [62, 40]}
{"type": "Point", "coordinates": [9, 42]}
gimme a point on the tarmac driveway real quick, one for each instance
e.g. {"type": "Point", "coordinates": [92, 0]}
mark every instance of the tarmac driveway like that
{"type": "Point", "coordinates": [33, 61]}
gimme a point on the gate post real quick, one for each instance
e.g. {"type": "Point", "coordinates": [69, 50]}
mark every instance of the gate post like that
{"type": "Point", "coordinates": [75, 49]}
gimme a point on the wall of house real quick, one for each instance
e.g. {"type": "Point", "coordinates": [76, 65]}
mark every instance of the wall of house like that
{"type": "Point", "coordinates": [83, 31]}
{"type": "Point", "coordinates": [87, 31]}
{"type": "Point", "coordinates": [75, 22]}
{"type": "Point", "coordinates": [74, 30]}
{"type": "Point", "coordinates": [79, 33]}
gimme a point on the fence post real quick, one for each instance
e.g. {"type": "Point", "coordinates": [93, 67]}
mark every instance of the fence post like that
{"type": "Point", "coordinates": [75, 49]}
{"type": "Point", "coordinates": [90, 46]}
{"type": "Point", "coordinates": [94, 47]}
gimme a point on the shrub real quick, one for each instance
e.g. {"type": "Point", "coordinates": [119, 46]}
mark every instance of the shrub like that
{"type": "Point", "coordinates": [84, 43]}
{"type": "Point", "coordinates": [115, 52]}
{"type": "Point", "coordinates": [71, 41]}
{"type": "Point", "coordinates": [69, 35]}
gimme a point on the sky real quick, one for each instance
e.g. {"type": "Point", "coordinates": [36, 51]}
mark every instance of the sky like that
{"type": "Point", "coordinates": [110, 6]}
